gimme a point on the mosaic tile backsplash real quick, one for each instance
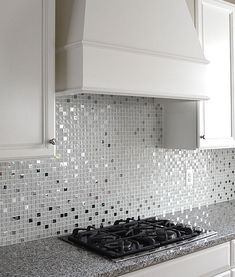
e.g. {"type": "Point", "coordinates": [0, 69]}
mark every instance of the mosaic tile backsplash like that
{"type": "Point", "coordinates": [109, 165]}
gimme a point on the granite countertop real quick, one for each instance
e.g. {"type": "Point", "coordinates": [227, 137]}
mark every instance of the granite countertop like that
{"type": "Point", "coordinates": [54, 257]}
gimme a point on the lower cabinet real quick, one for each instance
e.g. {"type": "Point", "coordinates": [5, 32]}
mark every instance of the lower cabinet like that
{"type": "Point", "coordinates": [212, 262]}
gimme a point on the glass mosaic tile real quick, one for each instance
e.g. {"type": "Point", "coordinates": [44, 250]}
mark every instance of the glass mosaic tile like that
{"type": "Point", "coordinates": [109, 165]}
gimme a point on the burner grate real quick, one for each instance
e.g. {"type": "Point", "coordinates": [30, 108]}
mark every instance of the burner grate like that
{"type": "Point", "coordinates": [130, 237]}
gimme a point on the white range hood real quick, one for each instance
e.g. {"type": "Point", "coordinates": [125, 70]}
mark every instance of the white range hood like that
{"type": "Point", "coordinates": [129, 47]}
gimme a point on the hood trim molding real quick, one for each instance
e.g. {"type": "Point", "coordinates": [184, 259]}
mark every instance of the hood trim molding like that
{"type": "Point", "coordinates": [108, 91]}
{"type": "Point", "coordinates": [90, 67]}
{"type": "Point", "coordinates": [96, 44]}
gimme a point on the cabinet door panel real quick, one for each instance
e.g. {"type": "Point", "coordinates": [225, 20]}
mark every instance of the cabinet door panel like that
{"type": "Point", "coordinates": [21, 106]}
{"type": "Point", "coordinates": [217, 31]}
{"type": "Point", "coordinates": [217, 40]}
{"type": "Point", "coordinates": [26, 78]}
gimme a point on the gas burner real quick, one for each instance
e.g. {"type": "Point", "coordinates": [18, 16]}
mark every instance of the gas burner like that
{"type": "Point", "coordinates": [130, 236]}
{"type": "Point", "coordinates": [120, 245]}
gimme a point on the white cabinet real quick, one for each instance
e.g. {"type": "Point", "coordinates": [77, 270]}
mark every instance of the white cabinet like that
{"type": "Point", "coordinates": [212, 122]}
{"type": "Point", "coordinates": [27, 97]}
{"type": "Point", "coordinates": [207, 262]}
{"type": "Point", "coordinates": [216, 30]}
{"type": "Point", "coordinates": [232, 273]}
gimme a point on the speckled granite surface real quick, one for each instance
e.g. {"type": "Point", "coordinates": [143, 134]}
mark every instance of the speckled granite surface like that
{"type": "Point", "coordinates": [53, 257]}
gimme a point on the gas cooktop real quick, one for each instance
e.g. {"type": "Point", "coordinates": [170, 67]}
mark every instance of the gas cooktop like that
{"type": "Point", "coordinates": [129, 238]}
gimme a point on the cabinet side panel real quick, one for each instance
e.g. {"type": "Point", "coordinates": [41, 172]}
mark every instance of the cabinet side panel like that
{"type": "Point", "coordinates": [180, 125]}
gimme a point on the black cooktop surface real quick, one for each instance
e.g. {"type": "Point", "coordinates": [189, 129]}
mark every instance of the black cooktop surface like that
{"type": "Point", "coordinates": [129, 237]}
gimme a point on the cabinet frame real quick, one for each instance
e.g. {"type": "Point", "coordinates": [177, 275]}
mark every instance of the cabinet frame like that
{"type": "Point", "coordinates": [44, 149]}
{"type": "Point", "coordinates": [203, 142]}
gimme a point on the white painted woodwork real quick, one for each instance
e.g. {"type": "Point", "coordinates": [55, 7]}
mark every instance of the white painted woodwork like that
{"type": "Point", "coordinates": [217, 32]}
{"type": "Point", "coordinates": [224, 274]}
{"type": "Point", "coordinates": [27, 93]}
{"type": "Point", "coordinates": [213, 118]}
{"type": "Point", "coordinates": [129, 48]}
{"type": "Point", "coordinates": [208, 262]}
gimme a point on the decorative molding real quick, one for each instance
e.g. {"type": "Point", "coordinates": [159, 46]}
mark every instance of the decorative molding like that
{"type": "Point", "coordinates": [125, 92]}
{"type": "Point", "coordinates": [45, 27]}
{"type": "Point", "coordinates": [139, 51]}
{"type": "Point", "coordinates": [48, 74]}
{"type": "Point", "coordinates": [222, 3]}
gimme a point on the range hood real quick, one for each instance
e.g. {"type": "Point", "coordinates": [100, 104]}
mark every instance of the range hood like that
{"type": "Point", "coordinates": [129, 47]}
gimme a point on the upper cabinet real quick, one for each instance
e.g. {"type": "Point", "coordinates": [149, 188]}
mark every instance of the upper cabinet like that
{"type": "Point", "coordinates": [27, 94]}
{"type": "Point", "coordinates": [211, 123]}
{"type": "Point", "coordinates": [216, 29]}
{"type": "Point", "coordinates": [128, 47]}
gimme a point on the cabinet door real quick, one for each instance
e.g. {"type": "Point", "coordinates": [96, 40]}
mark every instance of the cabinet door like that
{"type": "Point", "coordinates": [26, 78]}
{"type": "Point", "coordinates": [216, 30]}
